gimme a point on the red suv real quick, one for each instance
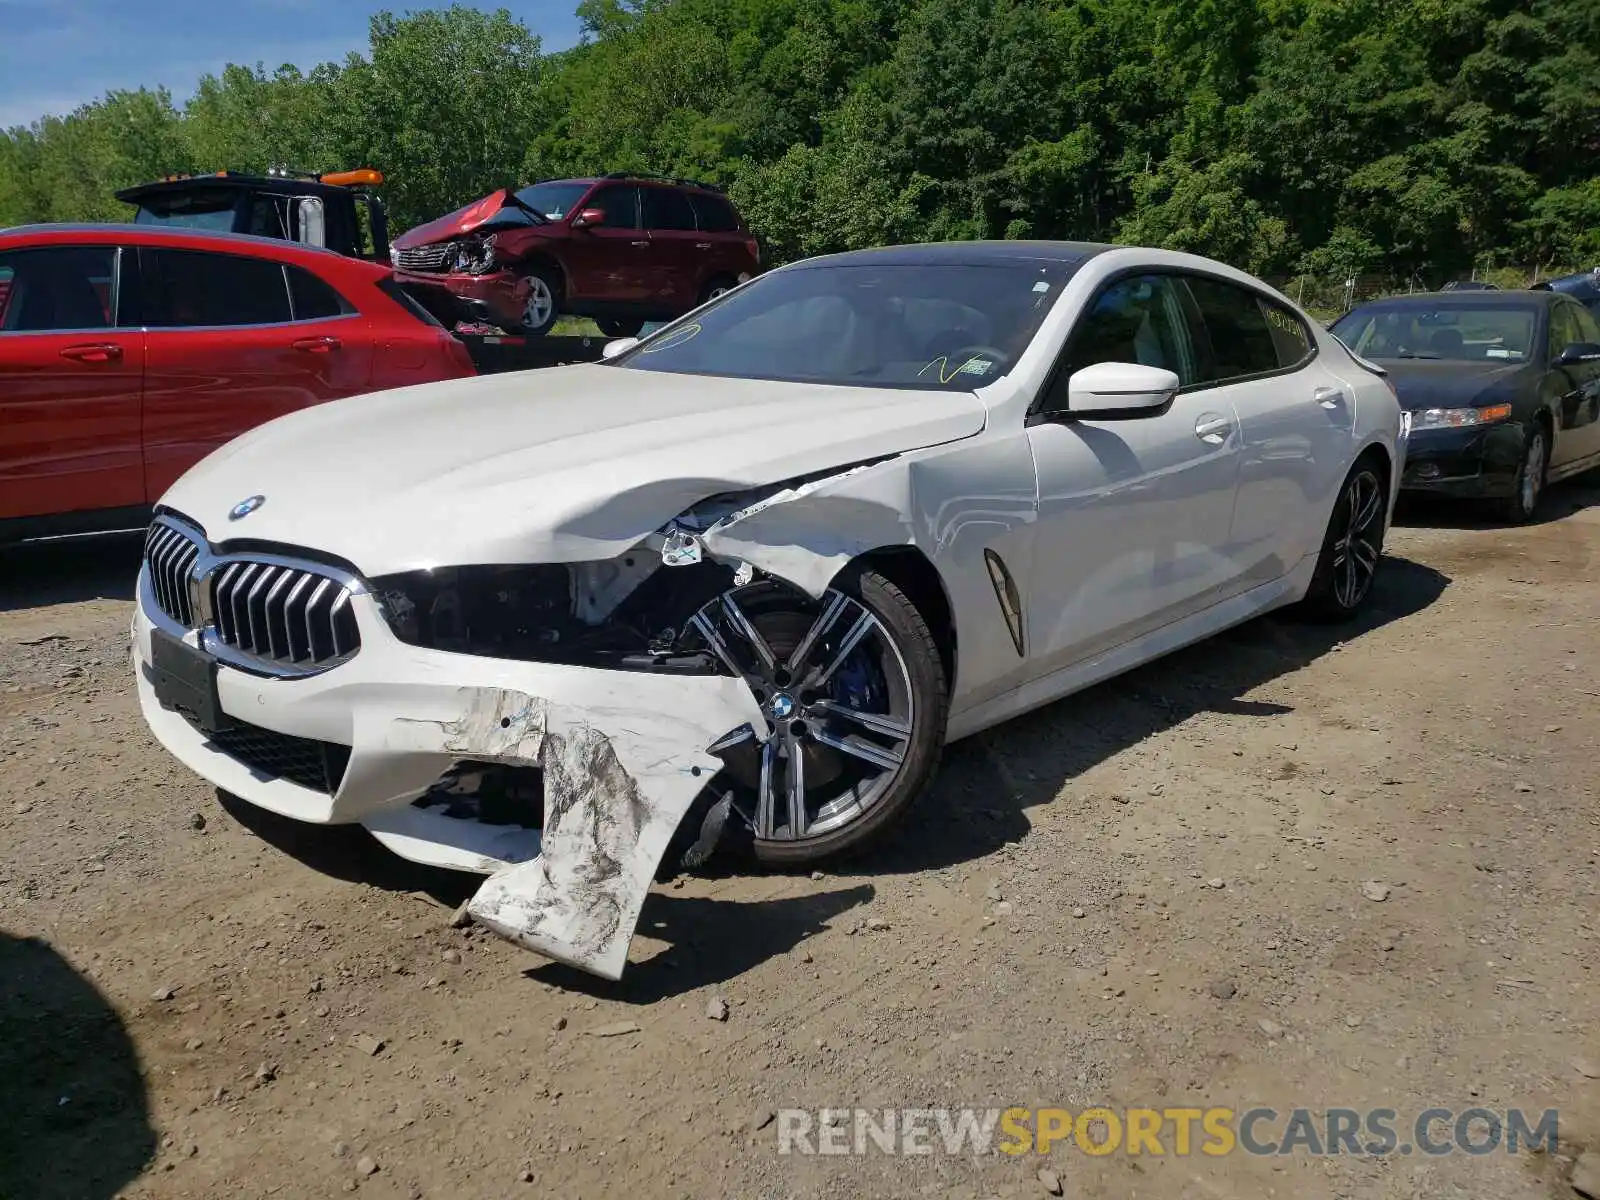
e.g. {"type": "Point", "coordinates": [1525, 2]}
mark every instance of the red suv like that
{"type": "Point", "coordinates": [129, 352]}
{"type": "Point", "coordinates": [623, 249]}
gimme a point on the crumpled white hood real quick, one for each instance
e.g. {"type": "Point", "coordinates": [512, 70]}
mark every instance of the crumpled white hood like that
{"type": "Point", "coordinates": [557, 465]}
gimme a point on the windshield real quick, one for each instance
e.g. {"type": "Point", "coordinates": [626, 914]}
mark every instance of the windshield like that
{"type": "Point", "coordinates": [1457, 334]}
{"type": "Point", "coordinates": [202, 210]}
{"type": "Point", "coordinates": [950, 326]}
{"type": "Point", "coordinates": [552, 200]}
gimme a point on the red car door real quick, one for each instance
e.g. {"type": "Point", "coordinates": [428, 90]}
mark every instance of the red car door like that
{"type": "Point", "coordinates": [70, 382]}
{"type": "Point", "coordinates": [233, 341]}
{"type": "Point", "coordinates": [609, 262]}
{"type": "Point", "coordinates": [731, 251]}
{"type": "Point", "coordinates": [680, 255]}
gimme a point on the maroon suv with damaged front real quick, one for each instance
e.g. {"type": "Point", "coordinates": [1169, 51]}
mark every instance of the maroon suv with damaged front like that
{"type": "Point", "coordinates": [622, 249]}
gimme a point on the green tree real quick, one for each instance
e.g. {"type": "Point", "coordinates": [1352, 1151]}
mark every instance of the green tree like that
{"type": "Point", "coordinates": [445, 106]}
{"type": "Point", "coordinates": [1402, 136]}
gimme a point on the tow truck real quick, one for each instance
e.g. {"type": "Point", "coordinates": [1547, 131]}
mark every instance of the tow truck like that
{"type": "Point", "coordinates": [340, 211]}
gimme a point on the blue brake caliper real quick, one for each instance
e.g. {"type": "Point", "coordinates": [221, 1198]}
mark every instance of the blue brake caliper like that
{"type": "Point", "coordinates": [859, 685]}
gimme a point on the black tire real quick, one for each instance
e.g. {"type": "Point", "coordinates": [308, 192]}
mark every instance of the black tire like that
{"type": "Point", "coordinates": [1342, 583]}
{"type": "Point", "coordinates": [715, 287]}
{"type": "Point", "coordinates": [542, 308]}
{"type": "Point", "coordinates": [1532, 473]}
{"type": "Point", "coordinates": [864, 713]}
{"type": "Point", "coordinates": [619, 327]}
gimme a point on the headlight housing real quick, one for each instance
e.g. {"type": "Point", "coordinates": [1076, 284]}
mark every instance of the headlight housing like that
{"type": "Point", "coordinates": [475, 255]}
{"type": "Point", "coordinates": [628, 613]}
{"type": "Point", "coordinates": [1459, 418]}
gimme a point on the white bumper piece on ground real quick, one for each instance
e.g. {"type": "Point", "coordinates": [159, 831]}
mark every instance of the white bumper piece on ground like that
{"type": "Point", "coordinates": [623, 756]}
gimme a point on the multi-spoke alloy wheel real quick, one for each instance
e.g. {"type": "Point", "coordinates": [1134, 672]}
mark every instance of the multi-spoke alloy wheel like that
{"type": "Point", "coordinates": [1360, 543]}
{"type": "Point", "coordinates": [852, 692]}
{"type": "Point", "coordinates": [539, 308]}
{"type": "Point", "coordinates": [1524, 499]}
{"type": "Point", "coordinates": [1352, 547]}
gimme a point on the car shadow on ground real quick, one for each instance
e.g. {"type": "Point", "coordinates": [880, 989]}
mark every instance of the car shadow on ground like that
{"type": "Point", "coordinates": [77, 1119]}
{"type": "Point", "coordinates": [987, 783]}
{"type": "Point", "coordinates": [709, 941]}
{"type": "Point", "coordinates": [69, 570]}
{"type": "Point", "coordinates": [350, 853]}
{"type": "Point", "coordinates": [1561, 500]}
{"type": "Point", "coordinates": [977, 804]}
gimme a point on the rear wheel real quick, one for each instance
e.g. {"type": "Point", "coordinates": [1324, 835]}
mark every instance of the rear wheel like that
{"type": "Point", "coordinates": [619, 327]}
{"type": "Point", "coordinates": [1519, 507]}
{"type": "Point", "coordinates": [541, 306]}
{"type": "Point", "coordinates": [717, 287]}
{"type": "Point", "coordinates": [853, 692]}
{"type": "Point", "coordinates": [1352, 546]}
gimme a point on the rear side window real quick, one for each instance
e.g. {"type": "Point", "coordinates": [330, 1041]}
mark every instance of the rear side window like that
{"type": "Point", "coordinates": [1290, 337]}
{"type": "Point", "coordinates": [1242, 342]}
{"type": "Point", "coordinates": [197, 288]}
{"type": "Point", "coordinates": [667, 209]}
{"type": "Point", "coordinates": [312, 298]}
{"type": "Point", "coordinates": [57, 288]}
{"type": "Point", "coordinates": [715, 215]}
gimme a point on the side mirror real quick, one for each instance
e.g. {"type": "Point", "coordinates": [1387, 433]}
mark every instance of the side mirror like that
{"type": "Point", "coordinates": [589, 216]}
{"type": "Point", "coordinates": [1577, 354]}
{"type": "Point", "coordinates": [611, 349]}
{"type": "Point", "coordinates": [1114, 389]}
{"type": "Point", "coordinates": [310, 222]}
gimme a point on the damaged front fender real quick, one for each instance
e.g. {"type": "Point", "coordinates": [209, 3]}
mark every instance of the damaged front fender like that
{"type": "Point", "coordinates": [846, 513]}
{"type": "Point", "coordinates": [621, 767]}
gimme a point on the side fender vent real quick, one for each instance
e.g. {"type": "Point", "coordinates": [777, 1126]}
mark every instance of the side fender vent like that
{"type": "Point", "coordinates": [1005, 590]}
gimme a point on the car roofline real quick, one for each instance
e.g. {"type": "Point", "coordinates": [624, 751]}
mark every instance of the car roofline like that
{"type": "Point", "coordinates": [20, 236]}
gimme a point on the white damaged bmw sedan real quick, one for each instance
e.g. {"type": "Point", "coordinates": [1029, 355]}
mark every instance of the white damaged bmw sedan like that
{"type": "Point", "coordinates": [741, 581]}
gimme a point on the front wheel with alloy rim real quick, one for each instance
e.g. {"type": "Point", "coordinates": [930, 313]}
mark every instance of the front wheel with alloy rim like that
{"type": "Point", "coordinates": [1520, 506]}
{"type": "Point", "coordinates": [1352, 547]}
{"type": "Point", "coordinates": [540, 306]}
{"type": "Point", "coordinates": [853, 694]}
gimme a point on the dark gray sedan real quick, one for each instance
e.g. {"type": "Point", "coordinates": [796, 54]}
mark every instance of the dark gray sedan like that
{"type": "Point", "coordinates": [1503, 389]}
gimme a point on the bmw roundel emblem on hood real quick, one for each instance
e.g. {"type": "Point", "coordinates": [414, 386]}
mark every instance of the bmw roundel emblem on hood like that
{"type": "Point", "coordinates": [245, 507]}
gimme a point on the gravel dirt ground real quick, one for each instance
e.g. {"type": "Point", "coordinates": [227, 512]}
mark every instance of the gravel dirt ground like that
{"type": "Point", "coordinates": [1153, 894]}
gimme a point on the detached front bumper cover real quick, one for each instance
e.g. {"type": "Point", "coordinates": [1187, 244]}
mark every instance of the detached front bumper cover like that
{"type": "Point", "coordinates": [623, 757]}
{"type": "Point", "coordinates": [613, 800]}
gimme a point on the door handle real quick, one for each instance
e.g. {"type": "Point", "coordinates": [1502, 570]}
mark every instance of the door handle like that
{"type": "Point", "coordinates": [702, 245]}
{"type": "Point", "coordinates": [316, 345]}
{"type": "Point", "coordinates": [1212, 429]}
{"type": "Point", "coordinates": [93, 352]}
{"type": "Point", "coordinates": [1329, 398]}
{"type": "Point", "coordinates": [644, 244]}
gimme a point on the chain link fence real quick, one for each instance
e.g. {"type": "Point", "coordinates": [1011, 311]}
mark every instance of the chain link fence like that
{"type": "Point", "coordinates": [1329, 296]}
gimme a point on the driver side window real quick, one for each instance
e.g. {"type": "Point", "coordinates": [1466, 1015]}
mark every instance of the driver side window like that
{"type": "Point", "coordinates": [1140, 319]}
{"type": "Point", "coordinates": [1563, 329]}
{"type": "Point", "coordinates": [1588, 327]}
{"type": "Point", "coordinates": [620, 204]}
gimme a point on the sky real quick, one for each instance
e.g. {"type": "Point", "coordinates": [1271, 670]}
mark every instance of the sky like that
{"type": "Point", "coordinates": [58, 54]}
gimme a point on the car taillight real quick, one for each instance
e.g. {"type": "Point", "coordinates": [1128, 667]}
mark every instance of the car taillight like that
{"type": "Point", "coordinates": [754, 247]}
